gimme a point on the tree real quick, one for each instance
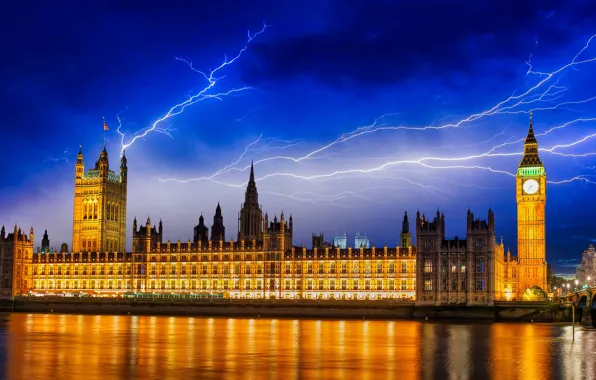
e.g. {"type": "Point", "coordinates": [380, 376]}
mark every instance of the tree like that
{"type": "Point", "coordinates": [534, 293]}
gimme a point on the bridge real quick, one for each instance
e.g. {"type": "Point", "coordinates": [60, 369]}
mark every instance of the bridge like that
{"type": "Point", "coordinates": [584, 300]}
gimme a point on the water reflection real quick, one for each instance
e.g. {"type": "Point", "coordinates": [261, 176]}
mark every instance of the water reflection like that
{"type": "Point", "coordinates": [35, 346]}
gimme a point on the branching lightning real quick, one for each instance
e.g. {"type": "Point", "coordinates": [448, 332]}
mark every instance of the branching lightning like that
{"type": "Point", "coordinates": [62, 158]}
{"type": "Point", "coordinates": [546, 95]}
{"type": "Point", "coordinates": [204, 94]}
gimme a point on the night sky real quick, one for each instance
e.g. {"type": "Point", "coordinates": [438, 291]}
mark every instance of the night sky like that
{"type": "Point", "coordinates": [318, 72]}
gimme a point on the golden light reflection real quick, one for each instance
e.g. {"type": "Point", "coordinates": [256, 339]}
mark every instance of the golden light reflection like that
{"type": "Point", "coordinates": [459, 360]}
{"type": "Point", "coordinates": [524, 352]}
{"type": "Point", "coordinates": [87, 347]}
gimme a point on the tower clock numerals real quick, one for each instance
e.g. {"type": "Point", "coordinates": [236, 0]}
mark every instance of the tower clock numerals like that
{"type": "Point", "coordinates": [530, 186]}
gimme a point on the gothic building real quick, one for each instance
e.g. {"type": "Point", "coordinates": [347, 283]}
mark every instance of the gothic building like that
{"type": "Point", "coordinates": [99, 220]}
{"type": "Point", "coordinates": [263, 262]}
{"type": "Point", "coordinates": [16, 251]}
{"type": "Point", "coordinates": [458, 271]}
{"type": "Point", "coordinates": [340, 241]}
{"type": "Point", "coordinates": [361, 240]}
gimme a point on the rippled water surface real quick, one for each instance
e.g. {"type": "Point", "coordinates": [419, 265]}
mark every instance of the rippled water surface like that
{"type": "Point", "coordinates": [52, 346]}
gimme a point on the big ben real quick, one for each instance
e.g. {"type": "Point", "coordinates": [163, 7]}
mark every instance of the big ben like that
{"type": "Point", "coordinates": [531, 202]}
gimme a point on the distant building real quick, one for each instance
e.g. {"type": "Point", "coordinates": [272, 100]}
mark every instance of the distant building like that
{"type": "Point", "coordinates": [45, 243]}
{"type": "Point", "coordinates": [587, 267]}
{"type": "Point", "coordinates": [340, 241]}
{"type": "Point", "coordinates": [318, 241]}
{"type": "Point", "coordinates": [361, 241]}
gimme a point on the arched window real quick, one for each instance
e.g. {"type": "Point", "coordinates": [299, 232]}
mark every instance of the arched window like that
{"type": "Point", "coordinates": [117, 207]}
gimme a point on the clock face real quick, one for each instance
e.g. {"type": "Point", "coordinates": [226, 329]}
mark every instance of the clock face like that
{"type": "Point", "coordinates": [531, 186]}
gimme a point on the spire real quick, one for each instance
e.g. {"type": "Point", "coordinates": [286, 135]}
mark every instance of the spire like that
{"type": "Point", "coordinates": [531, 138]}
{"type": "Point", "coordinates": [252, 173]}
{"type": "Point", "coordinates": [405, 226]}
{"type": "Point", "coordinates": [80, 155]}
{"type": "Point", "coordinates": [531, 157]}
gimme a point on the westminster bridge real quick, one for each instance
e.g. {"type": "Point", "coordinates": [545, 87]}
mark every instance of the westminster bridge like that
{"type": "Point", "coordinates": [584, 300]}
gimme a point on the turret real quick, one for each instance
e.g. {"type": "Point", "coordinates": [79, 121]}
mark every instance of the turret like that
{"type": "Point", "coordinates": [491, 219]}
{"type": "Point", "coordinates": [405, 236]}
{"type": "Point", "coordinates": [123, 167]}
{"type": "Point", "coordinates": [45, 242]}
{"type": "Point", "coordinates": [282, 222]}
{"type": "Point", "coordinates": [102, 163]}
{"type": "Point", "coordinates": [218, 231]}
{"type": "Point", "coordinates": [405, 225]}
{"type": "Point", "coordinates": [80, 165]}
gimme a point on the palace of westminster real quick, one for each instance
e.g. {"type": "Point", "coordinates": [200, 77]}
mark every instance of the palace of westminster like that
{"type": "Point", "coordinates": [263, 262]}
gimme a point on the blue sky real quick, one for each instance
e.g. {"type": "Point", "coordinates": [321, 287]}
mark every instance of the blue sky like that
{"type": "Point", "coordinates": [317, 73]}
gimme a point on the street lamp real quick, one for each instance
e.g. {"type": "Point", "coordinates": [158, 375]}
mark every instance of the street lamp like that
{"type": "Point", "coordinates": [576, 282]}
{"type": "Point", "coordinates": [589, 279]}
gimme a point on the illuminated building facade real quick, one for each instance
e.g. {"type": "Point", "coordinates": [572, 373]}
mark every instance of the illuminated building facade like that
{"type": "Point", "coordinates": [458, 271]}
{"type": "Point", "coordinates": [361, 241]}
{"type": "Point", "coordinates": [263, 263]}
{"type": "Point", "coordinates": [16, 251]}
{"type": "Point", "coordinates": [99, 217]}
{"type": "Point", "coordinates": [586, 272]}
{"type": "Point", "coordinates": [340, 241]}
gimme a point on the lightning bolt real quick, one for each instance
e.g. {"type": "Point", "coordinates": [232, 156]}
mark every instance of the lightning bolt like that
{"type": "Point", "coordinates": [204, 94]}
{"type": "Point", "coordinates": [545, 95]}
{"type": "Point", "coordinates": [63, 157]}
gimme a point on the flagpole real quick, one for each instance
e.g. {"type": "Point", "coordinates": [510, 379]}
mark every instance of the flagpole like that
{"type": "Point", "coordinates": [103, 133]}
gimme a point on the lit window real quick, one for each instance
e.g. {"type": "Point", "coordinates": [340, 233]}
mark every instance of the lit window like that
{"type": "Point", "coordinates": [428, 266]}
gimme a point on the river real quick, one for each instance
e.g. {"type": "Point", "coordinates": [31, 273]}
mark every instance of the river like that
{"type": "Point", "coordinates": [54, 346]}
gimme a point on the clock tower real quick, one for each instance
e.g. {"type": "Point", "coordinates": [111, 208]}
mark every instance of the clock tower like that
{"type": "Point", "coordinates": [531, 201]}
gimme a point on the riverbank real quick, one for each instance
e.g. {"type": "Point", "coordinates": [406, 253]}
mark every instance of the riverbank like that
{"type": "Point", "coordinates": [307, 309]}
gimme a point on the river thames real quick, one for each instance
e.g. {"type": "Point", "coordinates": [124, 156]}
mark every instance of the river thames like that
{"type": "Point", "coordinates": [54, 346]}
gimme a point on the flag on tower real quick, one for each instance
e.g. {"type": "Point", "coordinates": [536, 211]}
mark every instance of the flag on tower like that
{"type": "Point", "coordinates": [105, 125]}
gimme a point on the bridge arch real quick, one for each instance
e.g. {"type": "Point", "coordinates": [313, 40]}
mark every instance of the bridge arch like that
{"type": "Point", "coordinates": [583, 300]}
{"type": "Point", "coordinates": [593, 302]}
